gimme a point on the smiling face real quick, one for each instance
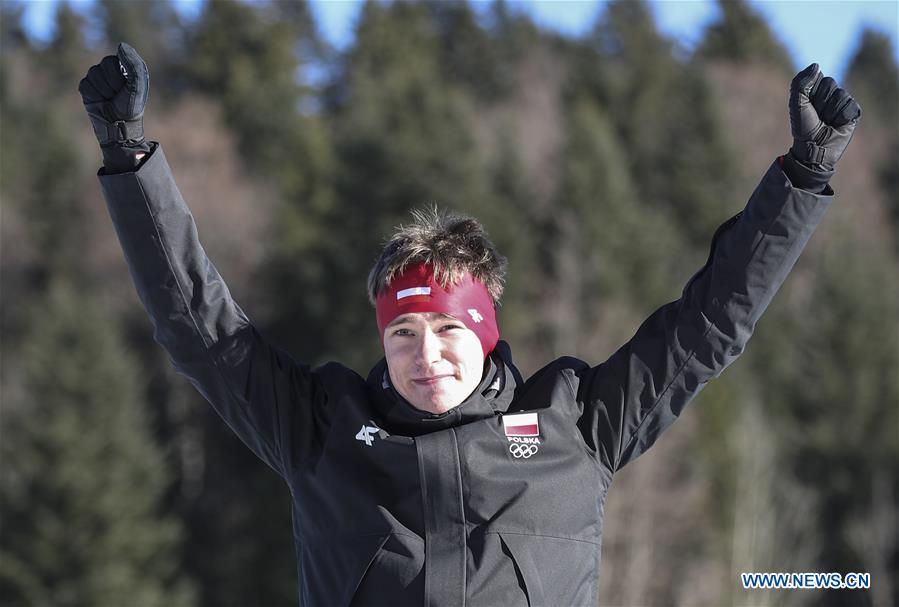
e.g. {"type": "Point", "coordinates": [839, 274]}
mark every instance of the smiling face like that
{"type": "Point", "coordinates": [435, 362]}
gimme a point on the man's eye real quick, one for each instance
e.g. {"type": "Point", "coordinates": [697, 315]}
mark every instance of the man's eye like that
{"type": "Point", "coordinates": [445, 327]}
{"type": "Point", "coordinates": [402, 332]}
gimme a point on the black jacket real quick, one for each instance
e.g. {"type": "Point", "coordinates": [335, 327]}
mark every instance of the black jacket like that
{"type": "Point", "coordinates": [395, 506]}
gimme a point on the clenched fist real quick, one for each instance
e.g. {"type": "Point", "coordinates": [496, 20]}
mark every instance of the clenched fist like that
{"type": "Point", "coordinates": [114, 93]}
{"type": "Point", "coordinates": [822, 118]}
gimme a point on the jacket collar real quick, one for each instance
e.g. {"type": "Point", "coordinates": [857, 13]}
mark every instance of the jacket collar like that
{"type": "Point", "coordinates": [492, 396]}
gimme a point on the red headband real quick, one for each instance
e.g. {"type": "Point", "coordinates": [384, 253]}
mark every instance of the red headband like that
{"type": "Point", "coordinates": [416, 291]}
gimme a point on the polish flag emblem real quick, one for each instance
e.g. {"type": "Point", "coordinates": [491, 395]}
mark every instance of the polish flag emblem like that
{"type": "Point", "coordinates": [521, 424]}
{"type": "Point", "coordinates": [415, 294]}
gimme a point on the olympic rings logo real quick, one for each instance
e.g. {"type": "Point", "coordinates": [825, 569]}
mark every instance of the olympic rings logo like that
{"type": "Point", "coordinates": [522, 451]}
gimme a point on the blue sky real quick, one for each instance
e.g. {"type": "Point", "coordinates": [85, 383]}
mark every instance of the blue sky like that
{"type": "Point", "coordinates": [825, 31]}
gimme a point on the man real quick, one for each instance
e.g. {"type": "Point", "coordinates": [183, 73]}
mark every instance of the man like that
{"type": "Point", "coordinates": [444, 478]}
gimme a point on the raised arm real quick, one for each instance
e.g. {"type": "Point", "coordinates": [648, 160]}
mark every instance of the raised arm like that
{"type": "Point", "coordinates": [641, 389]}
{"type": "Point", "coordinates": [275, 406]}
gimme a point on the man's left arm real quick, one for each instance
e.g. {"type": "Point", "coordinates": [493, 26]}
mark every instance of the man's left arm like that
{"type": "Point", "coordinates": [641, 389]}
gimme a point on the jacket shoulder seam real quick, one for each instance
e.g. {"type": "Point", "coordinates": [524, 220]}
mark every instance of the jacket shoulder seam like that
{"type": "Point", "coordinates": [661, 396]}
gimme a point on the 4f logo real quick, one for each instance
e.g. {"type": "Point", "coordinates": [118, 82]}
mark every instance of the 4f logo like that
{"type": "Point", "coordinates": [475, 315]}
{"type": "Point", "coordinates": [367, 433]}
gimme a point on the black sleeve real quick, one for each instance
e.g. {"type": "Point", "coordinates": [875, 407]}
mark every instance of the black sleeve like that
{"type": "Point", "coordinates": [642, 388]}
{"type": "Point", "coordinates": [276, 406]}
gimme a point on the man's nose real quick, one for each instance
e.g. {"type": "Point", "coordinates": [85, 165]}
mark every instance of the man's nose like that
{"type": "Point", "coordinates": [428, 348]}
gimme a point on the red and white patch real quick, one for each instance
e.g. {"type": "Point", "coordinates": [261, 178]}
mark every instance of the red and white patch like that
{"type": "Point", "coordinates": [413, 295]}
{"type": "Point", "coordinates": [521, 424]}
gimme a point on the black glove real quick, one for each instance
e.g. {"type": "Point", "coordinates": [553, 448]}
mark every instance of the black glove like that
{"type": "Point", "coordinates": [114, 93]}
{"type": "Point", "coordinates": [822, 119]}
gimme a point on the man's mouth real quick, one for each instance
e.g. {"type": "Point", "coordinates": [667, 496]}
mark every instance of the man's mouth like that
{"type": "Point", "coordinates": [433, 379]}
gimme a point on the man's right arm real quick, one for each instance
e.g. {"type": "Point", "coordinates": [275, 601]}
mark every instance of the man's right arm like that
{"type": "Point", "coordinates": [274, 405]}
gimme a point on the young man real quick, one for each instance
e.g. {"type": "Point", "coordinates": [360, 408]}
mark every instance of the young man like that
{"type": "Point", "coordinates": [444, 478]}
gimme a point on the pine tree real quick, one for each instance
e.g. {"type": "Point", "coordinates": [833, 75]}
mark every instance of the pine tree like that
{"type": "Point", "coordinates": [42, 177]}
{"type": "Point", "coordinates": [66, 53]}
{"type": "Point", "coordinates": [873, 79]}
{"type": "Point", "coordinates": [469, 56]}
{"type": "Point", "coordinates": [666, 120]}
{"type": "Point", "coordinates": [12, 32]}
{"type": "Point", "coordinates": [53, 201]}
{"type": "Point", "coordinates": [247, 56]}
{"type": "Point", "coordinates": [514, 31]}
{"type": "Point", "coordinates": [741, 35]}
{"type": "Point", "coordinates": [82, 478]}
{"type": "Point", "coordinates": [615, 250]}
{"type": "Point", "coordinates": [253, 59]}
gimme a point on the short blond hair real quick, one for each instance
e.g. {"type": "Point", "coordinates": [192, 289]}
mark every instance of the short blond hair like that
{"type": "Point", "coordinates": [452, 244]}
